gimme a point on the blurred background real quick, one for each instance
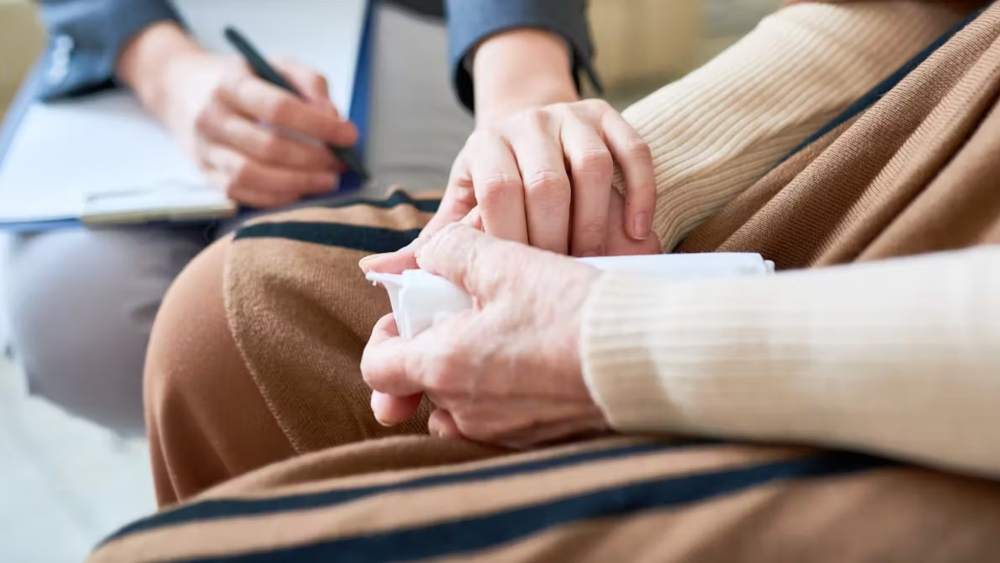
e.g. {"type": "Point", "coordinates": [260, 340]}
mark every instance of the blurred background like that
{"type": "Point", "coordinates": [65, 483]}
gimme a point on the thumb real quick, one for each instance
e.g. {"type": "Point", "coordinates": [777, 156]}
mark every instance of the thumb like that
{"type": "Point", "coordinates": [392, 262]}
{"type": "Point", "coordinates": [406, 258]}
{"type": "Point", "coordinates": [390, 411]}
{"type": "Point", "coordinates": [458, 204]}
{"type": "Point", "coordinates": [478, 263]}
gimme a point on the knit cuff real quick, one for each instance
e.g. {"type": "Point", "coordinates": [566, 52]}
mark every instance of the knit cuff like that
{"type": "Point", "coordinates": [724, 126]}
{"type": "Point", "coordinates": [618, 359]}
{"type": "Point", "coordinates": [897, 357]}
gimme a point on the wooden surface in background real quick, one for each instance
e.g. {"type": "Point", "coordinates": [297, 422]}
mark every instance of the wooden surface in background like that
{"type": "Point", "coordinates": [639, 40]}
{"type": "Point", "coordinates": [21, 40]}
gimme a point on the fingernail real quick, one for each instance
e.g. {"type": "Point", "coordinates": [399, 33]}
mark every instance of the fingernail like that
{"type": "Point", "coordinates": [640, 225]}
{"type": "Point", "coordinates": [378, 403]}
{"type": "Point", "coordinates": [368, 261]}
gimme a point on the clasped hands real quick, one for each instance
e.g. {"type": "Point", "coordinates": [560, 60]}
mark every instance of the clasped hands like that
{"type": "Point", "coordinates": [535, 172]}
{"type": "Point", "coordinates": [508, 372]}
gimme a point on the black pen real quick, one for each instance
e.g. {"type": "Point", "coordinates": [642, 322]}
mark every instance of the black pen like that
{"type": "Point", "coordinates": [267, 73]}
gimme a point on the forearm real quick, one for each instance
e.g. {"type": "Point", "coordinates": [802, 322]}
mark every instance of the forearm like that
{"type": "Point", "coordinates": [899, 357]}
{"type": "Point", "coordinates": [473, 23]}
{"type": "Point", "coordinates": [721, 128]}
{"type": "Point", "coordinates": [520, 69]}
{"type": "Point", "coordinates": [147, 62]}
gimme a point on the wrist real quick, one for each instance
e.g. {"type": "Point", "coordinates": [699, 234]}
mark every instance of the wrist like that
{"type": "Point", "coordinates": [521, 69]}
{"type": "Point", "coordinates": [148, 63]}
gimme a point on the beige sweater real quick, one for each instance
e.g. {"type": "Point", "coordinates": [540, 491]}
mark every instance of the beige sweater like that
{"type": "Point", "coordinates": [909, 367]}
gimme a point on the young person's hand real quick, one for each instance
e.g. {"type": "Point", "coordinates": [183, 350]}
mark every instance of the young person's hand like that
{"type": "Point", "coordinates": [539, 167]}
{"type": "Point", "coordinates": [262, 145]}
{"type": "Point", "coordinates": [540, 164]}
{"type": "Point", "coordinates": [543, 176]}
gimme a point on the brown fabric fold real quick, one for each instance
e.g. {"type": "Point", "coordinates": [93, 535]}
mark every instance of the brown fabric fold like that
{"type": "Point", "coordinates": [883, 185]}
{"type": "Point", "coordinates": [254, 357]}
{"type": "Point", "coordinates": [618, 499]}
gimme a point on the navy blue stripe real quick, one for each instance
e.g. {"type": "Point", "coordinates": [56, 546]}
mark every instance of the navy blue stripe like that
{"type": "Point", "coordinates": [883, 88]}
{"type": "Point", "coordinates": [397, 198]}
{"type": "Point", "coordinates": [367, 239]}
{"type": "Point", "coordinates": [473, 534]}
{"type": "Point", "coordinates": [220, 509]}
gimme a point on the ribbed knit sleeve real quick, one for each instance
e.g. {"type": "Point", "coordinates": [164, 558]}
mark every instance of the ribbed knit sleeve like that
{"type": "Point", "coordinates": [722, 127]}
{"type": "Point", "coordinates": [899, 357]}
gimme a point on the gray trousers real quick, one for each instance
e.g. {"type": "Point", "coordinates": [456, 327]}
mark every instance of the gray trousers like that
{"type": "Point", "coordinates": [81, 302]}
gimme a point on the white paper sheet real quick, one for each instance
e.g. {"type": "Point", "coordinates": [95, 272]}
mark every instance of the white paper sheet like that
{"type": "Point", "coordinates": [420, 300]}
{"type": "Point", "coordinates": [66, 153]}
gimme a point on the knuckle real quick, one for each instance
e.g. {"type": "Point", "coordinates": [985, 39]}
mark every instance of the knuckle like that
{"type": "Point", "coordinates": [597, 105]}
{"type": "Point", "coordinates": [232, 78]}
{"type": "Point", "coordinates": [242, 172]}
{"type": "Point", "coordinates": [206, 119]}
{"type": "Point", "coordinates": [273, 148]}
{"type": "Point", "coordinates": [482, 135]}
{"type": "Point", "coordinates": [591, 227]}
{"type": "Point", "coordinates": [444, 368]}
{"type": "Point", "coordinates": [593, 161]}
{"type": "Point", "coordinates": [547, 184]}
{"type": "Point", "coordinates": [442, 371]}
{"type": "Point", "coordinates": [536, 118]}
{"type": "Point", "coordinates": [234, 81]}
{"type": "Point", "coordinates": [278, 110]}
{"type": "Point", "coordinates": [220, 95]}
{"type": "Point", "coordinates": [499, 186]}
{"type": "Point", "coordinates": [638, 149]}
{"type": "Point", "coordinates": [561, 107]}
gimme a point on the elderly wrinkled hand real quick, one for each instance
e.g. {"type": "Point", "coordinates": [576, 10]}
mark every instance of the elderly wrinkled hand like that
{"type": "Point", "coordinates": [506, 372]}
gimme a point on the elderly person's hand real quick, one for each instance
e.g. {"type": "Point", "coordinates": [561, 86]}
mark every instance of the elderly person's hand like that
{"type": "Point", "coordinates": [507, 372]}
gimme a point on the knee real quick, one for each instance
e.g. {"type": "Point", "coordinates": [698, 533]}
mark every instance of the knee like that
{"type": "Point", "coordinates": [206, 418]}
{"type": "Point", "coordinates": [80, 305]}
{"type": "Point", "coordinates": [190, 343]}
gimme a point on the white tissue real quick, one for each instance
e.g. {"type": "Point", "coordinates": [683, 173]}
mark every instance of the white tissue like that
{"type": "Point", "coordinates": [420, 300]}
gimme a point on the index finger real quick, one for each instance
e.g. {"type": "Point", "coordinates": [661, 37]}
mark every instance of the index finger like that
{"type": "Point", "coordinates": [254, 97]}
{"type": "Point", "coordinates": [499, 191]}
{"type": "Point", "coordinates": [480, 264]}
{"type": "Point", "coordinates": [385, 363]}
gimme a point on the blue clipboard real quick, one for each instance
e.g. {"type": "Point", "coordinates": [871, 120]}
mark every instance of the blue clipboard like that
{"type": "Point", "coordinates": [349, 182]}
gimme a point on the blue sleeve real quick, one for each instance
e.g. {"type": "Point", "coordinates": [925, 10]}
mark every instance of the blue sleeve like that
{"type": "Point", "coordinates": [86, 37]}
{"type": "Point", "coordinates": [472, 21]}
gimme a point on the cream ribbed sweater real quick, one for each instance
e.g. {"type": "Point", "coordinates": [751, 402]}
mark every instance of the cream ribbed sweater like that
{"type": "Point", "coordinates": [900, 357]}
{"type": "Point", "coordinates": [722, 127]}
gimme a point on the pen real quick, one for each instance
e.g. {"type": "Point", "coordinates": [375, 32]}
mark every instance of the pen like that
{"type": "Point", "coordinates": [266, 72]}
